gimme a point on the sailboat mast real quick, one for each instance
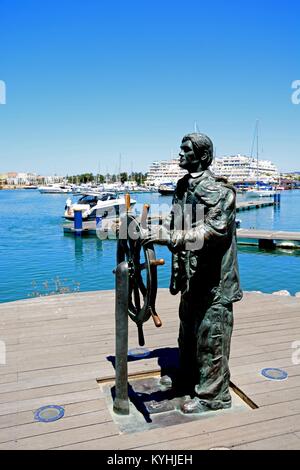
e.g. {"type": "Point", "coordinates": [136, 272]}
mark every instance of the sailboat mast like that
{"type": "Point", "coordinates": [257, 172]}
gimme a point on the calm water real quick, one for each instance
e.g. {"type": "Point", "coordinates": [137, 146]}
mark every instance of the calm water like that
{"type": "Point", "coordinates": [36, 258]}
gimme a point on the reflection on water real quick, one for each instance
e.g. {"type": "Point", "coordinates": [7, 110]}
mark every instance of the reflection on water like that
{"type": "Point", "coordinates": [255, 250]}
{"type": "Point", "coordinates": [37, 259]}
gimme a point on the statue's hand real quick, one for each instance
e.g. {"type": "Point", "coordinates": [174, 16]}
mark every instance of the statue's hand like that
{"type": "Point", "coordinates": [156, 234]}
{"type": "Point", "coordinates": [190, 240]}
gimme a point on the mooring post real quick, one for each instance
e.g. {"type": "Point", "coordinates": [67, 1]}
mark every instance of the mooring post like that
{"type": "Point", "coordinates": [77, 222]}
{"type": "Point", "coordinates": [121, 402]}
{"type": "Point", "coordinates": [277, 199]}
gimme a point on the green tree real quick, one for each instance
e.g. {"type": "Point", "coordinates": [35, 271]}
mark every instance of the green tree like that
{"type": "Point", "coordinates": [123, 177]}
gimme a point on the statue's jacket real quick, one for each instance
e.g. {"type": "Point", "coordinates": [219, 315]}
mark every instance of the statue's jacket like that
{"type": "Point", "coordinates": [204, 259]}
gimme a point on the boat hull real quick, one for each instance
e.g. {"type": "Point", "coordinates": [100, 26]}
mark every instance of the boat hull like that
{"type": "Point", "coordinates": [110, 212]}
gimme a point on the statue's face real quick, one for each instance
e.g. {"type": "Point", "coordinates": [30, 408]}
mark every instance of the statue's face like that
{"type": "Point", "coordinates": [187, 157]}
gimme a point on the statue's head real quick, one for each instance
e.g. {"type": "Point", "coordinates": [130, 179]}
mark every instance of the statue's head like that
{"type": "Point", "coordinates": [196, 152]}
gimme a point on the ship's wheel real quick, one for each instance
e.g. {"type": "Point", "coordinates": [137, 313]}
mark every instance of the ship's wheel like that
{"type": "Point", "coordinates": [142, 265]}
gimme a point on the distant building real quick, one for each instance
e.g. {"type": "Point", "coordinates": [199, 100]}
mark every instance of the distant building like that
{"type": "Point", "coordinates": [237, 168]}
{"type": "Point", "coordinates": [165, 171]}
{"type": "Point", "coordinates": [240, 168]}
{"type": "Point", "coordinates": [13, 178]}
{"type": "Point", "coordinates": [21, 179]}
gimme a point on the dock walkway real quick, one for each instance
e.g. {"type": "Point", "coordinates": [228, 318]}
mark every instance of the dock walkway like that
{"type": "Point", "coordinates": [248, 205]}
{"type": "Point", "coordinates": [59, 346]}
{"type": "Point", "coordinates": [268, 238]}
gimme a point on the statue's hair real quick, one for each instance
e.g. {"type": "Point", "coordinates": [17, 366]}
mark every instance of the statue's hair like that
{"type": "Point", "coordinates": [203, 147]}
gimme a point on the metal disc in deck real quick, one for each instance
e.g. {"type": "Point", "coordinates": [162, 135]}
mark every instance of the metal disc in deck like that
{"type": "Point", "coordinates": [49, 413]}
{"type": "Point", "coordinates": [274, 373]}
{"type": "Point", "coordinates": [139, 353]}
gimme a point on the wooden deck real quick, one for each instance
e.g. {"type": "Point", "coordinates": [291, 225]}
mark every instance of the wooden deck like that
{"type": "Point", "coordinates": [57, 348]}
{"type": "Point", "coordinates": [248, 205]}
{"type": "Point", "coordinates": [268, 238]}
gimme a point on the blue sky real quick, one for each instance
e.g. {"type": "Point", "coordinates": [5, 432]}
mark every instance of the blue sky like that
{"type": "Point", "coordinates": [88, 80]}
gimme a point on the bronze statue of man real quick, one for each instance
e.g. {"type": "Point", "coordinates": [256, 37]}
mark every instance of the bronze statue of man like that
{"type": "Point", "coordinates": [205, 271]}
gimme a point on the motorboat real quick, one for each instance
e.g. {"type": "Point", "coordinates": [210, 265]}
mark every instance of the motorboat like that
{"type": "Point", "coordinates": [166, 189]}
{"type": "Point", "coordinates": [55, 188]}
{"type": "Point", "coordinates": [106, 204]}
{"type": "Point", "coordinates": [261, 191]}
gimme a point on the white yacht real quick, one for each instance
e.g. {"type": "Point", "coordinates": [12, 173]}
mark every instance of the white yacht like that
{"type": "Point", "coordinates": [261, 191]}
{"type": "Point", "coordinates": [106, 204]}
{"type": "Point", "coordinates": [167, 189]}
{"type": "Point", "coordinates": [55, 188]}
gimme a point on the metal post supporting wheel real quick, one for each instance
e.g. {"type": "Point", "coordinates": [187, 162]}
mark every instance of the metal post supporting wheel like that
{"type": "Point", "coordinates": [136, 289]}
{"type": "Point", "coordinates": [142, 265]}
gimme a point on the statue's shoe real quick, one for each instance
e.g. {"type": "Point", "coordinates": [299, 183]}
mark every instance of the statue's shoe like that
{"type": "Point", "coordinates": [166, 382]}
{"type": "Point", "coordinates": [179, 389]}
{"type": "Point", "coordinates": [196, 405]}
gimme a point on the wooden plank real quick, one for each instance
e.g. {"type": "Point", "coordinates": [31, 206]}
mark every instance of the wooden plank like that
{"type": "Point", "coordinates": [288, 441]}
{"type": "Point", "coordinates": [35, 403]}
{"type": "Point", "coordinates": [207, 433]}
{"type": "Point", "coordinates": [51, 390]}
{"type": "Point", "coordinates": [64, 437]}
{"type": "Point", "coordinates": [59, 359]}
{"type": "Point", "coordinates": [37, 428]}
{"type": "Point", "coordinates": [71, 409]}
{"type": "Point", "coordinates": [268, 234]}
{"type": "Point", "coordinates": [239, 435]}
{"type": "Point", "coordinates": [272, 397]}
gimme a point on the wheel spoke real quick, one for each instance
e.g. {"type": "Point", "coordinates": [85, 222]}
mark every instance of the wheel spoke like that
{"type": "Point", "coordinates": [142, 277]}
{"type": "Point", "coordinates": [137, 299]}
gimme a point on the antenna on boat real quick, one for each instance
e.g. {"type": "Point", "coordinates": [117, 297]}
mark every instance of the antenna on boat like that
{"type": "Point", "coordinates": [255, 134]}
{"type": "Point", "coordinates": [98, 176]}
{"type": "Point", "coordinates": [257, 129]}
{"type": "Point", "coordinates": [120, 160]}
{"type": "Point", "coordinates": [255, 141]}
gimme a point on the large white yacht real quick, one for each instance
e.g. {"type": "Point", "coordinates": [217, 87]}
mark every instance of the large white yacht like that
{"type": "Point", "coordinates": [105, 204]}
{"type": "Point", "coordinates": [55, 188]}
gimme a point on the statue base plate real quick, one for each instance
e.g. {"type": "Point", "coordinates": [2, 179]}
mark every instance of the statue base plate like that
{"type": "Point", "coordinates": [153, 405]}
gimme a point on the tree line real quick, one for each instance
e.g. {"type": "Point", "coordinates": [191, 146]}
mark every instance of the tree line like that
{"type": "Point", "coordinates": [137, 177]}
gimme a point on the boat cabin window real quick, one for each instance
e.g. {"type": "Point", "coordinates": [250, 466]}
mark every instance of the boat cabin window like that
{"type": "Point", "coordinates": [92, 200]}
{"type": "Point", "coordinates": [88, 200]}
{"type": "Point", "coordinates": [108, 197]}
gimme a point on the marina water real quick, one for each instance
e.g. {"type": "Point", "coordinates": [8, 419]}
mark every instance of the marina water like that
{"type": "Point", "coordinates": [38, 259]}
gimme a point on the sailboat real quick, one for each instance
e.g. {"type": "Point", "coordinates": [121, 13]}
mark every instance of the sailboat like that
{"type": "Point", "coordinates": [260, 189]}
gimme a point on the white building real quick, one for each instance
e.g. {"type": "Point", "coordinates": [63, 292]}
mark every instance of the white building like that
{"type": "Point", "coordinates": [21, 178]}
{"type": "Point", "coordinates": [239, 168]}
{"type": "Point", "coordinates": [166, 171]}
